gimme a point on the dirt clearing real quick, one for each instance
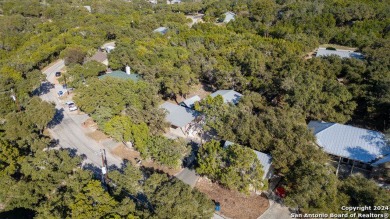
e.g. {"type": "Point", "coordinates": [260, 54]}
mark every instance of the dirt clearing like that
{"type": "Point", "coordinates": [97, 136]}
{"type": "Point", "coordinates": [130, 154]}
{"type": "Point", "coordinates": [233, 203]}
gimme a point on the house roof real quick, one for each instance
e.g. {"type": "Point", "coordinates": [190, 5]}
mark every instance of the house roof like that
{"type": "Point", "coordinates": [229, 16]}
{"type": "Point", "coordinates": [162, 30]}
{"type": "Point", "coordinates": [229, 96]}
{"type": "Point", "coordinates": [177, 115]}
{"type": "Point", "coordinates": [339, 52]}
{"type": "Point", "coordinates": [99, 56]}
{"type": "Point", "coordinates": [88, 8]}
{"type": "Point", "coordinates": [121, 75]}
{"type": "Point", "coordinates": [265, 159]}
{"type": "Point", "coordinates": [190, 101]}
{"type": "Point", "coordinates": [350, 142]}
{"type": "Point", "coordinates": [383, 160]}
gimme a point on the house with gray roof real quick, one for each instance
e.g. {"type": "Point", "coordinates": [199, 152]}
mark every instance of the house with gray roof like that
{"type": "Point", "coordinates": [323, 52]}
{"type": "Point", "coordinates": [161, 30]}
{"type": "Point", "coordinates": [229, 16]}
{"type": "Point", "coordinates": [189, 103]}
{"type": "Point", "coordinates": [89, 9]}
{"type": "Point", "coordinates": [265, 160]}
{"type": "Point", "coordinates": [350, 144]}
{"type": "Point", "coordinates": [121, 75]}
{"type": "Point", "coordinates": [179, 117]}
{"type": "Point", "coordinates": [229, 96]}
{"type": "Point", "coordinates": [99, 56]}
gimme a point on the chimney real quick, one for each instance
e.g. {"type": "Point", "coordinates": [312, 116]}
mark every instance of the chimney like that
{"type": "Point", "coordinates": [128, 69]}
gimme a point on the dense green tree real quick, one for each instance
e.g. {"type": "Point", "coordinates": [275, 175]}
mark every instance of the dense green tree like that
{"type": "Point", "coordinates": [313, 187]}
{"type": "Point", "coordinates": [77, 74]}
{"type": "Point", "coordinates": [73, 55]}
{"type": "Point", "coordinates": [122, 128]}
{"type": "Point", "coordinates": [235, 167]}
{"type": "Point", "coordinates": [9, 157]}
{"type": "Point", "coordinates": [128, 180]}
{"type": "Point", "coordinates": [40, 112]}
{"type": "Point", "coordinates": [364, 192]}
{"type": "Point", "coordinates": [210, 159]}
{"type": "Point", "coordinates": [174, 199]}
{"type": "Point", "coordinates": [167, 151]}
{"type": "Point", "coordinates": [92, 201]}
{"type": "Point", "coordinates": [104, 99]}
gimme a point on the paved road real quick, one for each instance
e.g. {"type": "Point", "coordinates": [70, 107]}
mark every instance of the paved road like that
{"type": "Point", "coordinates": [68, 125]}
{"type": "Point", "coordinates": [276, 211]}
{"type": "Point", "coordinates": [188, 176]}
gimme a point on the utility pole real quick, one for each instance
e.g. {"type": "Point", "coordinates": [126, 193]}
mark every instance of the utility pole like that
{"type": "Point", "coordinates": [105, 178]}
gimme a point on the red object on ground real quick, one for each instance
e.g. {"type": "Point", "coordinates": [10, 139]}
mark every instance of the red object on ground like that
{"type": "Point", "coordinates": [281, 192]}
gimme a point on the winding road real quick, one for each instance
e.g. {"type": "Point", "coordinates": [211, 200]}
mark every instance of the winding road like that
{"type": "Point", "coordinates": [67, 127]}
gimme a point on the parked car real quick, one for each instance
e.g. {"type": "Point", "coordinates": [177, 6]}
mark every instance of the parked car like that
{"type": "Point", "coordinates": [60, 93]}
{"type": "Point", "coordinates": [58, 74]}
{"type": "Point", "coordinates": [72, 107]}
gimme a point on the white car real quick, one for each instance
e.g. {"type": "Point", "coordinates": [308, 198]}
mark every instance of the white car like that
{"type": "Point", "coordinates": [71, 105]}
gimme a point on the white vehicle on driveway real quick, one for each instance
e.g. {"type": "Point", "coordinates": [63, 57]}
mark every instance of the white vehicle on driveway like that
{"type": "Point", "coordinates": [71, 105]}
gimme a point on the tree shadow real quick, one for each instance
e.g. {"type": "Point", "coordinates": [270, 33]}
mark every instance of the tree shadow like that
{"type": "Point", "coordinates": [72, 151]}
{"type": "Point", "coordinates": [58, 117]}
{"type": "Point", "coordinates": [378, 140]}
{"type": "Point", "coordinates": [96, 171]}
{"type": "Point", "coordinates": [18, 213]}
{"type": "Point", "coordinates": [43, 89]}
{"type": "Point", "coordinates": [148, 171]}
{"type": "Point", "coordinates": [189, 160]}
{"type": "Point", "coordinates": [361, 154]}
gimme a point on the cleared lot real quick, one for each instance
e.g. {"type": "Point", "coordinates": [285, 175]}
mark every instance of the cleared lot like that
{"type": "Point", "coordinates": [233, 203]}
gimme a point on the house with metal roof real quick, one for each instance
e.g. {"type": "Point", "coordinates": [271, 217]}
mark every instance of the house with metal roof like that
{"type": "Point", "coordinates": [323, 52]}
{"type": "Point", "coordinates": [89, 9]}
{"type": "Point", "coordinates": [108, 47]}
{"type": "Point", "coordinates": [121, 75]}
{"type": "Point", "coordinates": [179, 117]}
{"type": "Point", "coordinates": [229, 16]}
{"type": "Point", "coordinates": [265, 160]}
{"type": "Point", "coordinates": [229, 96]}
{"type": "Point", "coordinates": [350, 144]}
{"type": "Point", "coordinates": [189, 103]}
{"type": "Point", "coordinates": [161, 30]}
{"type": "Point", "coordinates": [99, 56]}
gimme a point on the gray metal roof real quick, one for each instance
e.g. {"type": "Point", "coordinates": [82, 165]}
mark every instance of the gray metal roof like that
{"type": "Point", "coordinates": [89, 9]}
{"type": "Point", "coordinates": [162, 30]}
{"type": "Point", "coordinates": [382, 160]}
{"type": "Point", "coordinates": [265, 160]}
{"type": "Point", "coordinates": [350, 142]}
{"type": "Point", "coordinates": [177, 115]}
{"type": "Point", "coordinates": [341, 53]}
{"type": "Point", "coordinates": [229, 96]}
{"type": "Point", "coordinates": [229, 16]}
{"type": "Point", "coordinates": [190, 101]}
